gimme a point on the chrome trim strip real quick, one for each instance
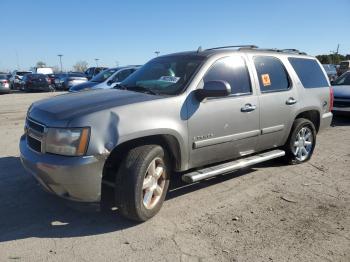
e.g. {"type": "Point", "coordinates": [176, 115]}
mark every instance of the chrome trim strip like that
{"type": "Point", "coordinates": [225, 139]}
{"type": "Point", "coordinates": [272, 129]}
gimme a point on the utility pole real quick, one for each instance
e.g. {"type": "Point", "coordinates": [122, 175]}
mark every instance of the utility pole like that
{"type": "Point", "coordinates": [60, 56]}
{"type": "Point", "coordinates": [157, 53]}
{"type": "Point", "coordinates": [17, 60]}
{"type": "Point", "coordinates": [96, 60]}
{"type": "Point", "coordinates": [338, 49]}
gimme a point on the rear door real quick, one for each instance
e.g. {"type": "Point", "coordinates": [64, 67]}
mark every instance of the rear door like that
{"type": "Point", "coordinates": [226, 127]}
{"type": "Point", "coordinates": [278, 100]}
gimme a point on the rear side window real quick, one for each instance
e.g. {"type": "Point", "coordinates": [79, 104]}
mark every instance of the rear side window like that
{"type": "Point", "coordinates": [232, 70]}
{"type": "Point", "coordinates": [272, 74]}
{"type": "Point", "coordinates": [309, 72]}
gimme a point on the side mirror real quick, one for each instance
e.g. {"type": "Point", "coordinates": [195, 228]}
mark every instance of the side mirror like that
{"type": "Point", "coordinates": [332, 82]}
{"type": "Point", "coordinates": [217, 88]}
{"type": "Point", "coordinates": [109, 82]}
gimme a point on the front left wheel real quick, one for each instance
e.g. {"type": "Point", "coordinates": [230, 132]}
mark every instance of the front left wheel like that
{"type": "Point", "coordinates": [142, 182]}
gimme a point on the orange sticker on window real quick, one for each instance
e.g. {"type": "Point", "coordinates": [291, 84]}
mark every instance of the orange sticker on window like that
{"type": "Point", "coordinates": [266, 79]}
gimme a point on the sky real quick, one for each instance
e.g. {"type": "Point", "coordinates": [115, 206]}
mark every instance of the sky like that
{"type": "Point", "coordinates": [129, 32]}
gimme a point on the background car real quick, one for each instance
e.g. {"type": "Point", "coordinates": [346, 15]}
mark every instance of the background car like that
{"type": "Point", "coordinates": [17, 77]}
{"type": "Point", "coordinates": [42, 70]}
{"type": "Point", "coordinates": [36, 82]}
{"type": "Point", "coordinates": [341, 89]}
{"type": "Point", "coordinates": [331, 71]}
{"type": "Point", "coordinates": [343, 67]}
{"type": "Point", "coordinates": [4, 84]}
{"type": "Point", "coordinates": [105, 79]}
{"type": "Point", "coordinates": [64, 81]}
{"type": "Point", "coordinates": [93, 71]}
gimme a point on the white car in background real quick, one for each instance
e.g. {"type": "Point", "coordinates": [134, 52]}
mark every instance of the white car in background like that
{"type": "Point", "coordinates": [106, 79]}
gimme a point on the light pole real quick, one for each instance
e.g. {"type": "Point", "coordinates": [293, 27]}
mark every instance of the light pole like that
{"type": "Point", "coordinates": [96, 60]}
{"type": "Point", "coordinates": [60, 56]}
{"type": "Point", "coordinates": [157, 53]}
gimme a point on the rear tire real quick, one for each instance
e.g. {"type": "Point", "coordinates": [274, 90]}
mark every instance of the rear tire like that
{"type": "Point", "coordinates": [142, 182]}
{"type": "Point", "coordinates": [301, 142]}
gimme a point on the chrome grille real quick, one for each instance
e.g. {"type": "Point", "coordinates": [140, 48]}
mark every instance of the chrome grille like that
{"type": "Point", "coordinates": [341, 102]}
{"type": "Point", "coordinates": [35, 135]}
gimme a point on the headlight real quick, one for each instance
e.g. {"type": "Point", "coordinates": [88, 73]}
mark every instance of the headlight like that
{"type": "Point", "coordinates": [69, 142]}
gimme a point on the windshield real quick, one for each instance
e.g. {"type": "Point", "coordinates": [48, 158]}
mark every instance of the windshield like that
{"type": "Point", "coordinates": [343, 80]}
{"type": "Point", "coordinates": [329, 68]}
{"type": "Point", "coordinates": [164, 75]}
{"type": "Point", "coordinates": [101, 77]}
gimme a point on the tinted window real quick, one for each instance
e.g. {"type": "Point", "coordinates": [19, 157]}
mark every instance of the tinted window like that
{"type": "Point", "coordinates": [234, 71]}
{"type": "Point", "coordinates": [102, 76]}
{"type": "Point", "coordinates": [3, 77]}
{"type": "Point", "coordinates": [271, 73]}
{"type": "Point", "coordinates": [309, 72]}
{"type": "Point", "coordinates": [123, 74]}
{"type": "Point", "coordinates": [344, 65]}
{"type": "Point", "coordinates": [22, 73]}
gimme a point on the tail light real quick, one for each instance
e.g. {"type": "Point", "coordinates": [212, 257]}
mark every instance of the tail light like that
{"type": "Point", "coordinates": [331, 98]}
{"type": "Point", "coordinates": [5, 81]}
{"type": "Point", "coordinates": [48, 80]}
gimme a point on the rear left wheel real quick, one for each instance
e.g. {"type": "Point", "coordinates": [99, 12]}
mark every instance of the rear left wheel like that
{"type": "Point", "coordinates": [301, 142]}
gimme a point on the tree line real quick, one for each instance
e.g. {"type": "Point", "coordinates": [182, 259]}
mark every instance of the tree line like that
{"type": "Point", "coordinates": [82, 65]}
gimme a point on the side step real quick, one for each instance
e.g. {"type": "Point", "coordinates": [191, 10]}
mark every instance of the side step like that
{"type": "Point", "coordinates": [228, 167]}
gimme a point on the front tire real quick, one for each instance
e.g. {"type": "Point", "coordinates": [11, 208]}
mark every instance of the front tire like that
{"type": "Point", "coordinates": [301, 142]}
{"type": "Point", "coordinates": [142, 182]}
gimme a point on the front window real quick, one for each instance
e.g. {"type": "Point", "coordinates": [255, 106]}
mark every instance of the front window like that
{"type": "Point", "coordinates": [164, 75]}
{"type": "Point", "coordinates": [342, 80]}
{"type": "Point", "coordinates": [101, 77]}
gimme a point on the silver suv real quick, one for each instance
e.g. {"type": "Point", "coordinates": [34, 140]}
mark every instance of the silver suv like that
{"type": "Point", "coordinates": [198, 114]}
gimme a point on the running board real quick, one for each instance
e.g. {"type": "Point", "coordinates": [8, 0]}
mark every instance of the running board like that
{"type": "Point", "coordinates": [228, 167]}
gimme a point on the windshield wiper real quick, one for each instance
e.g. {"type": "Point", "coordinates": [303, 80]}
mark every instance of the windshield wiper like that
{"type": "Point", "coordinates": [137, 89]}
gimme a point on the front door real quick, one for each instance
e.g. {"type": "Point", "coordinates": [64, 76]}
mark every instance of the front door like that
{"type": "Point", "coordinates": [226, 127]}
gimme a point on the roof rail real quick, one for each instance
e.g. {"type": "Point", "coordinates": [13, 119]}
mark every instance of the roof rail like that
{"type": "Point", "coordinates": [232, 46]}
{"type": "Point", "coordinates": [243, 47]}
{"type": "Point", "coordinates": [292, 50]}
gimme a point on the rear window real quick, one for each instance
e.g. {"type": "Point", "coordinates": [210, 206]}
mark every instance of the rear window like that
{"type": "Point", "coordinates": [309, 72]}
{"type": "Point", "coordinates": [77, 75]}
{"type": "Point", "coordinates": [3, 77]}
{"type": "Point", "coordinates": [22, 73]}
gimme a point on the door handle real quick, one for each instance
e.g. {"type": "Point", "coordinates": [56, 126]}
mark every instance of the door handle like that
{"type": "Point", "coordinates": [291, 101]}
{"type": "Point", "coordinates": [248, 108]}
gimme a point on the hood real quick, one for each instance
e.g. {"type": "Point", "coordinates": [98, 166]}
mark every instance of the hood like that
{"type": "Point", "coordinates": [83, 86]}
{"type": "Point", "coordinates": [341, 91]}
{"type": "Point", "coordinates": [69, 106]}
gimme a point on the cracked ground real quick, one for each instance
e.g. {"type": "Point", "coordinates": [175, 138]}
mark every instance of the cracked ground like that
{"type": "Point", "coordinates": [270, 212]}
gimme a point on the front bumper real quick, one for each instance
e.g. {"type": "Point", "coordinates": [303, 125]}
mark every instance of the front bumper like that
{"type": "Point", "coordinates": [4, 89]}
{"type": "Point", "coordinates": [74, 178]}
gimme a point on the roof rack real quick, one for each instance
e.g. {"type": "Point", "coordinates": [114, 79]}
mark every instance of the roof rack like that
{"type": "Point", "coordinates": [292, 50]}
{"type": "Point", "coordinates": [244, 47]}
{"type": "Point", "coordinates": [232, 46]}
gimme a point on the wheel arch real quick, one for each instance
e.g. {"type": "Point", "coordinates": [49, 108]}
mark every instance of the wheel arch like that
{"type": "Point", "coordinates": [168, 142]}
{"type": "Point", "coordinates": [313, 115]}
